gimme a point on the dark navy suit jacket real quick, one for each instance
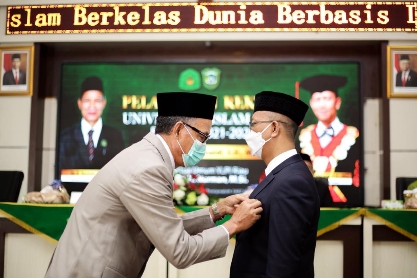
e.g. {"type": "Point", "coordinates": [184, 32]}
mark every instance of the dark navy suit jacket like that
{"type": "Point", "coordinates": [73, 152]}
{"type": "Point", "coordinates": [282, 243]}
{"type": "Point", "coordinates": [8, 78]}
{"type": "Point", "coordinates": [410, 82]}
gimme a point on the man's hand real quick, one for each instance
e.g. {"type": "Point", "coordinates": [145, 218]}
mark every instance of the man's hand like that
{"type": "Point", "coordinates": [229, 204]}
{"type": "Point", "coordinates": [246, 214]}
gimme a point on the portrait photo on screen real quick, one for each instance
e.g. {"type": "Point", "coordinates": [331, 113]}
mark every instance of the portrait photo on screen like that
{"type": "Point", "coordinates": [106, 107]}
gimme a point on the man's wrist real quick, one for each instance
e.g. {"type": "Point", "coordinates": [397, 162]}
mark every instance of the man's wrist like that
{"type": "Point", "coordinates": [216, 212]}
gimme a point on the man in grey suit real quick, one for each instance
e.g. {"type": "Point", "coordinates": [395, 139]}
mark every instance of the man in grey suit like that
{"type": "Point", "coordinates": [127, 210]}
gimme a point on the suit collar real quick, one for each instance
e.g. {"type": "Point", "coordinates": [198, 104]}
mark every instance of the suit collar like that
{"type": "Point", "coordinates": [171, 157]}
{"type": "Point", "coordinates": [156, 142]}
{"type": "Point", "coordinates": [80, 139]}
{"type": "Point", "coordinates": [278, 160]}
{"type": "Point", "coordinates": [293, 159]}
{"type": "Point", "coordinates": [86, 127]}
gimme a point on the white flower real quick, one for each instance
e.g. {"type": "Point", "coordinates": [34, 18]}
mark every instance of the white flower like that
{"type": "Point", "coordinates": [47, 188]}
{"type": "Point", "coordinates": [178, 195]}
{"type": "Point", "coordinates": [340, 153]}
{"type": "Point", "coordinates": [202, 200]}
{"type": "Point", "coordinates": [179, 180]}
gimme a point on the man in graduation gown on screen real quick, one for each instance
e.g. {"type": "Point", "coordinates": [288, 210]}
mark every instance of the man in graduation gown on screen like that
{"type": "Point", "coordinates": [331, 144]}
{"type": "Point", "coordinates": [89, 144]}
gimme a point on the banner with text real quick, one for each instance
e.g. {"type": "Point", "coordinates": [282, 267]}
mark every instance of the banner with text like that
{"type": "Point", "coordinates": [213, 17]}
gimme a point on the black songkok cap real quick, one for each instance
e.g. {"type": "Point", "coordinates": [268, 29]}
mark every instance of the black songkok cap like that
{"type": "Point", "coordinates": [15, 56]}
{"type": "Point", "coordinates": [404, 57]}
{"type": "Point", "coordinates": [92, 83]}
{"type": "Point", "coordinates": [324, 82]}
{"type": "Point", "coordinates": [281, 103]}
{"type": "Point", "coordinates": [182, 104]}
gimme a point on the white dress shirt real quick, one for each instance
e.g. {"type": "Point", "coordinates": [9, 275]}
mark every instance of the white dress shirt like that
{"type": "Point", "coordinates": [86, 127]}
{"type": "Point", "coordinates": [325, 138]}
{"type": "Point", "coordinates": [404, 75]}
{"type": "Point", "coordinates": [278, 160]}
{"type": "Point", "coordinates": [16, 74]}
{"type": "Point", "coordinates": [171, 157]}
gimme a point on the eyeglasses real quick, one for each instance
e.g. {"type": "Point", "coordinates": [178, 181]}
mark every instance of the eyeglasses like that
{"type": "Point", "coordinates": [251, 124]}
{"type": "Point", "coordinates": [206, 136]}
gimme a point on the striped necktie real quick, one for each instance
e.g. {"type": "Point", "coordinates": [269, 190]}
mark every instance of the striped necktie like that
{"type": "Point", "coordinates": [90, 146]}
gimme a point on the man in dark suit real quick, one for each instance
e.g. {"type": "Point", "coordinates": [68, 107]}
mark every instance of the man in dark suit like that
{"type": "Point", "coordinates": [89, 144]}
{"type": "Point", "coordinates": [15, 76]}
{"type": "Point", "coordinates": [406, 77]}
{"type": "Point", "coordinates": [282, 243]}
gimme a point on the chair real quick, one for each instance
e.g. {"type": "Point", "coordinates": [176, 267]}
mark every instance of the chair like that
{"type": "Point", "coordinates": [10, 184]}
{"type": "Point", "coordinates": [401, 184]}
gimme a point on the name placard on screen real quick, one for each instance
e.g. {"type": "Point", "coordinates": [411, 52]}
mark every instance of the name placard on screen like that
{"type": "Point", "coordinates": [213, 17]}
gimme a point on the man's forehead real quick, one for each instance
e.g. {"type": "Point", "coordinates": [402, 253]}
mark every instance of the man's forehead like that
{"type": "Point", "coordinates": [323, 93]}
{"type": "Point", "coordinates": [202, 124]}
{"type": "Point", "coordinates": [259, 114]}
{"type": "Point", "coordinates": [93, 94]}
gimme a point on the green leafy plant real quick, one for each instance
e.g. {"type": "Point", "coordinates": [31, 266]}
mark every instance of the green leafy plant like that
{"type": "Point", "coordinates": [412, 185]}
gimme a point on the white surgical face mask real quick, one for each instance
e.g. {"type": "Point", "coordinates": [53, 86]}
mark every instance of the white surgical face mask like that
{"type": "Point", "coordinates": [256, 142]}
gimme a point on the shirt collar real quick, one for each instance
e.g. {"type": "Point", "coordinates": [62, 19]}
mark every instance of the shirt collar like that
{"type": "Point", "coordinates": [336, 125]}
{"type": "Point", "coordinates": [171, 157]}
{"type": "Point", "coordinates": [278, 160]}
{"type": "Point", "coordinates": [86, 127]}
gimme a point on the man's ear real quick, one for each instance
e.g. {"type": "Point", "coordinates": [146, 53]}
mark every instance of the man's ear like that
{"type": "Point", "coordinates": [275, 129]}
{"type": "Point", "coordinates": [177, 128]}
{"type": "Point", "coordinates": [338, 103]}
{"type": "Point", "coordinates": [79, 103]}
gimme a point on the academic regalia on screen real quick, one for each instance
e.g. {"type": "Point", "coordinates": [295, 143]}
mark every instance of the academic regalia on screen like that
{"type": "Point", "coordinates": [348, 164]}
{"type": "Point", "coordinates": [342, 153]}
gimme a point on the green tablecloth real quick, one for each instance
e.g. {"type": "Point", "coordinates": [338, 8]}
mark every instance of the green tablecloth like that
{"type": "Point", "coordinates": [403, 221]}
{"type": "Point", "coordinates": [49, 221]}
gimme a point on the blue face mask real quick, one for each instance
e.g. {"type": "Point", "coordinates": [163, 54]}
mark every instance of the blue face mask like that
{"type": "Point", "coordinates": [195, 154]}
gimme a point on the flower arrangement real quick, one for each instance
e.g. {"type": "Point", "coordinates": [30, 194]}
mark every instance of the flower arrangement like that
{"type": "Point", "coordinates": [189, 192]}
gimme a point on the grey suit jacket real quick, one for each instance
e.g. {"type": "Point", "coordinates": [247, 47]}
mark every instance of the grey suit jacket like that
{"type": "Point", "coordinates": [125, 212]}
